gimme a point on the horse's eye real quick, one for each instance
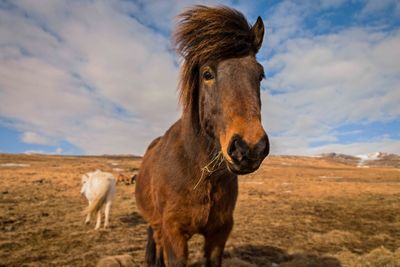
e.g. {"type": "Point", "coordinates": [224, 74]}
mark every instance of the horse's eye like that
{"type": "Point", "coordinates": [207, 75]}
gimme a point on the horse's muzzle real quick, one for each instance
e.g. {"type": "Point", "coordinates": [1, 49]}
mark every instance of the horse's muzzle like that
{"type": "Point", "coordinates": [245, 159]}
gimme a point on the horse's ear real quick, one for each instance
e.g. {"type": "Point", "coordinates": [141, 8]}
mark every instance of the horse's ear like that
{"type": "Point", "coordinates": [258, 33]}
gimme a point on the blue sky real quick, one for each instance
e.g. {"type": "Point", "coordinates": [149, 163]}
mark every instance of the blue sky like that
{"type": "Point", "coordinates": [100, 77]}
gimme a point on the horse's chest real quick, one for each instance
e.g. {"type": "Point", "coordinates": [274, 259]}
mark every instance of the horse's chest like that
{"type": "Point", "coordinates": [217, 205]}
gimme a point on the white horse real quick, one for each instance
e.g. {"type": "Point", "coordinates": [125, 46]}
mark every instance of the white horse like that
{"type": "Point", "coordinates": [99, 189]}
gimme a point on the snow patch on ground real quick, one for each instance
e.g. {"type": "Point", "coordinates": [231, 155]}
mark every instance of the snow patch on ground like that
{"type": "Point", "coordinates": [329, 177]}
{"type": "Point", "coordinates": [251, 182]}
{"type": "Point", "coordinates": [14, 165]}
{"type": "Point", "coordinates": [368, 157]}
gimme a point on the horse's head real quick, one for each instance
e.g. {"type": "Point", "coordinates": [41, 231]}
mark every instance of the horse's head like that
{"type": "Point", "coordinates": [230, 107]}
{"type": "Point", "coordinates": [224, 76]}
{"type": "Point", "coordinates": [230, 110]}
{"type": "Point", "coordinates": [84, 180]}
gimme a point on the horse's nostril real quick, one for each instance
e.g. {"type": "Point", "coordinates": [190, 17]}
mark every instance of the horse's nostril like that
{"type": "Point", "coordinates": [231, 147]}
{"type": "Point", "coordinates": [238, 149]}
{"type": "Point", "coordinates": [240, 152]}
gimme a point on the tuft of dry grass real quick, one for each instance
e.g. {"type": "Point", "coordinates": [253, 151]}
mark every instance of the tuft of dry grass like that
{"type": "Point", "coordinates": [211, 167]}
{"type": "Point", "coordinates": [117, 261]}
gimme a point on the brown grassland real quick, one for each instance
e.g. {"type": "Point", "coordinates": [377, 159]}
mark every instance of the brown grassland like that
{"type": "Point", "coordinates": [294, 211]}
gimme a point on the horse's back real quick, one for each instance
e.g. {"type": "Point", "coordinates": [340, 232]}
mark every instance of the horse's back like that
{"type": "Point", "coordinates": [99, 182]}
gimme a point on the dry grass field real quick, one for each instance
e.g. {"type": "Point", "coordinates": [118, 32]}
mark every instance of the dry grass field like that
{"type": "Point", "coordinates": [294, 211]}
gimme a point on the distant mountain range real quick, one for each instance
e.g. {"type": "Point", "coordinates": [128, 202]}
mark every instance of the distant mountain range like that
{"type": "Point", "coordinates": [378, 159]}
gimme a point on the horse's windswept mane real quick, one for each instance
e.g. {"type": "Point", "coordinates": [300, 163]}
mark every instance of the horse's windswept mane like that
{"type": "Point", "coordinates": [208, 34]}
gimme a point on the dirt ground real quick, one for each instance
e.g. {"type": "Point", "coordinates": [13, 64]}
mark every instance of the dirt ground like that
{"type": "Point", "coordinates": [293, 212]}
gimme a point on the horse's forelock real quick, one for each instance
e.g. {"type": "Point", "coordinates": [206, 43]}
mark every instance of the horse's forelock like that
{"type": "Point", "coordinates": [208, 34]}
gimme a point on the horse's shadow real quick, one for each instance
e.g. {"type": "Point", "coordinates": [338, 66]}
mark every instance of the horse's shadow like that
{"type": "Point", "coordinates": [132, 219]}
{"type": "Point", "coordinates": [267, 256]}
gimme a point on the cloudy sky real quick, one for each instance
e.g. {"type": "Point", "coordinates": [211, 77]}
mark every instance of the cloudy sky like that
{"type": "Point", "coordinates": [100, 77]}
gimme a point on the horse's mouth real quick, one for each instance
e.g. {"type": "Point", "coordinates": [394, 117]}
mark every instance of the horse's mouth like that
{"type": "Point", "coordinates": [243, 168]}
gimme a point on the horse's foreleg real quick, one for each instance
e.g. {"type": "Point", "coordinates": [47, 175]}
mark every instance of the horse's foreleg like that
{"type": "Point", "coordinates": [107, 214]}
{"type": "Point", "coordinates": [98, 223]}
{"type": "Point", "coordinates": [175, 246]}
{"type": "Point", "coordinates": [215, 243]}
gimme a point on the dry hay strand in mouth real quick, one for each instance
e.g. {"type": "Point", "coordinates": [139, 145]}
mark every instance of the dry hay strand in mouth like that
{"type": "Point", "coordinates": [211, 167]}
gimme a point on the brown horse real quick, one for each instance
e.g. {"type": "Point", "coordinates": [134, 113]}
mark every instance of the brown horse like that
{"type": "Point", "coordinates": [187, 183]}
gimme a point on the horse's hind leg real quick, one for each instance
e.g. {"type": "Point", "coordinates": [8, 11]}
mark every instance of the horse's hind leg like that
{"type": "Point", "coordinates": [88, 215]}
{"type": "Point", "coordinates": [107, 214]}
{"type": "Point", "coordinates": [98, 223]}
{"type": "Point", "coordinates": [150, 248]}
{"type": "Point", "coordinates": [154, 253]}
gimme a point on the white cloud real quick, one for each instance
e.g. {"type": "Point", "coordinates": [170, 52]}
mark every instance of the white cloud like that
{"type": "Point", "coordinates": [86, 73]}
{"type": "Point", "coordinates": [101, 77]}
{"type": "Point", "coordinates": [331, 80]}
{"type": "Point", "coordinates": [331, 3]}
{"type": "Point", "coordinates": [297, 145]}
{"type": "Point", "coordinates": [360, 148]}
{"type": "Point", "coordinates": [344, 77]}
{"type": "Point", "coordinates": [372, 7]}
{"type": "Point", "coordinates": [34, 138]}
{"type": "Point", "coordinates": [322, 81]}
{"type": "Point", "coordinates": [57, 151]}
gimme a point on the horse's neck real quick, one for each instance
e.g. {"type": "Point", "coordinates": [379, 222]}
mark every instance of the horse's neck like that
{"type": "Point", "coordinates": [199, 147]}
{"type": "Point", "coordinates": [204, 161]}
